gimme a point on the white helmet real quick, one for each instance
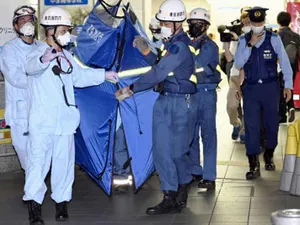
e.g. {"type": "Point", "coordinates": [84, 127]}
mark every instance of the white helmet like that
{"type": "Point", "coordinates": [199, 14]}
{"type": "Point", "coordinates": [56, 16]}
{"type": "Point", "coordinates": [171, 11]}
{"type": "Point", "coordinates": [24, 10]}
{"type": "Point", "coordinates": [154, 24]}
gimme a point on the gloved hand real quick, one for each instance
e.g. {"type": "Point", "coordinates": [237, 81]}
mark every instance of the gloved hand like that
{"type": "Point", "coordinates": [123, 93]}
{"type": "Point", "coordinates": [141, 44]}
{"type": "Point", "coordinates": [111, 75]}
{"type": "Point", "coordinates": [49, 55]}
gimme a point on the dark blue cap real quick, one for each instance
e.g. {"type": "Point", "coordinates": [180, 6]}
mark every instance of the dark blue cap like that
{"type": "Point", "coordinates": [257, 14]}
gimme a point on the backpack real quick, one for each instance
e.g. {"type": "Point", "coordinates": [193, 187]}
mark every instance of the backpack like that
{"type": "Point", "coordinates": [291, 42]}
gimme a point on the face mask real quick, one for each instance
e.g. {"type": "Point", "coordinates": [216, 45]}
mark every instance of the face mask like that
{"type": "Point", "coordinates": [157, 36]}
{"type": "Point", "coordinates": [257, 30]}
{"type": "Point", "coordinates": [64, 39]}
{"type": "Point", "coordinates": [246, 29]}
{"type": "Point", "coordinates": [166, 32]}
{"type": "Point", "coordinates": [196, 29]}
{"type": "Point", "coordinates": [27, 29]}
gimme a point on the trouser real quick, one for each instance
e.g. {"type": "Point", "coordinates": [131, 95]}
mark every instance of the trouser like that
{"type": "Point", "coordinates": [120, 152]}
{"type": "Point", "coordinates": [233, 104]}
{"type": "Point", "coordinates": [57, 152]}
{"type": "Point", "coordinates": [259, 97]}
{"type": "Point", "coordinates": [20, 141]}
{"type": "Point", "coordinates": [174, 119]}
{"type": "Point", "coordinates": [206, 124]}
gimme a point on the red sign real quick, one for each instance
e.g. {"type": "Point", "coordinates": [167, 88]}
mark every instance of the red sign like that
{"type": "Point", "coordinates": [294, 9]}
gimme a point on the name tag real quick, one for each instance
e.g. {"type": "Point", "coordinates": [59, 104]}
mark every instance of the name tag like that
{"type": "Point", "coordinates": [267, 54]}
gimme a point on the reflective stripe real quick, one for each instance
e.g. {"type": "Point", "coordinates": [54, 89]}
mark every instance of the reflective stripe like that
{"type": "Point", "coordinates": [75, 44]}
{"type": "Point", "coordinates": [194, 51]}
{"type": "Point", "coordinates": [199, 70]}
{"type": "Point", "coordinates": [218, 68]}
{"type": "Point", "coordinates": [193, 78]}
{"type": "Point", "coordinates": [171, 74]}
{"type": "Point", "coordinates": [162, 47]}
{"type": "Point", "coordinates": [134, 72]}
{"type": "Point", "coordinates": [163, 53]}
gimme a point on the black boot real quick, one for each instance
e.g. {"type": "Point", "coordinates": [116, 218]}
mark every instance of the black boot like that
{"type": "Point", "coordinates": [182, 195]}
{"type": "Point", "coordinates": [61, 211]}
{"type": "Point", "coordinates": [254, 168]}
{"type": "Point", "coordinates": [268, 158]}
{"type": "Point", "coordinates": [207, 184]}
{"type": "Point", "coordinates": [168, 205]}
{"type": "Point", "coordinates": [196, 178]}
{"type": "Point", "coordinates": [35, 213]}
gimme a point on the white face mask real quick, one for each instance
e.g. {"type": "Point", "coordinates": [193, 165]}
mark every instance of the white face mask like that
{"type": "Point", "coordinates": [27, 29]}
{"type": "Point", "coordinates": [246, 29]}
{"type": "Point", "coordinates": [166, 32]}
{"type": "Point", "coordinates": [257, 30]}
{"type": "Point", "coordinates": [157, 36]}
{"type": "Point", "coordinates": [64, 39]}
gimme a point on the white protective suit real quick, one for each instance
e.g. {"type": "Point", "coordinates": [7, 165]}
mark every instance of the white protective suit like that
{"type": "Point", "coordinates": [52, 124]}
{"type": "Point", "coordinates": [13, 59]}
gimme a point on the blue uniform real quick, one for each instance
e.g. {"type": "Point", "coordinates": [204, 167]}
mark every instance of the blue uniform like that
{"type": "Point", "coordinates": [261, 87]}
{"type": "Point", "coordinates": [208, 79]}
{"type": "Point", "coordinates": [173, 112]}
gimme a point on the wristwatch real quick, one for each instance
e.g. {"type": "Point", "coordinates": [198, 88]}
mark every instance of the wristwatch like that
{"type": "Point", "coordinates": [249, 45]}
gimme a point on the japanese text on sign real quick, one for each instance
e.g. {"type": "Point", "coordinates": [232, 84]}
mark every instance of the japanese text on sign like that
{"type": "Point", "coordinates": [66, 2]}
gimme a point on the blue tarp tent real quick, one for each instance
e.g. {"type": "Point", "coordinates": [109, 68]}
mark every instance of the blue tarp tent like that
{"type": "Point", "coordinates": [106, 42]}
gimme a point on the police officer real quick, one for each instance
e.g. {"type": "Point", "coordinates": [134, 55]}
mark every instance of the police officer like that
{"type": "Point", "coordinates": [208, 77]}
{"type": "Point", "coordinates": [173, 112]}
{"type": "Point", "coordinates": [258, 53]}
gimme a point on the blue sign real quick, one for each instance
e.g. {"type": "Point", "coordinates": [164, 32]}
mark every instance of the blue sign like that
{"type": "Point", "coordinates": [66, 2]}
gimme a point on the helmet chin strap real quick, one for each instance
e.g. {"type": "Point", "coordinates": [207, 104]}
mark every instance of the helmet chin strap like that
{"type": "Point", "coordinates": [54, 38]}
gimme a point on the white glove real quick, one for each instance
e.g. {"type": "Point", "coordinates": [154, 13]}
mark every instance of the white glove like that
{"type": "Point", "coordinates": [111, 75]}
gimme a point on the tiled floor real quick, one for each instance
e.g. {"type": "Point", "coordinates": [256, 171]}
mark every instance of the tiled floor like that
{"type": "Point", "coordinates": [234, 202]}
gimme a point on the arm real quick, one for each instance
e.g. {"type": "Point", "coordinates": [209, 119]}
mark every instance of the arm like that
{"type": "Point", "coordinates": [151, 58]}
{"type": "Point", "coordinates": [284, 61]}
{"type": "Point", "coordinates": [11, 68]}
{"type": "Point", "coordinates": [208, 59]}
{"type": "Point", "coordinates": [84, 76]}
{"type": "Point", "coordinates": [228, 55]}
{"type": "Point", "coordinates": [160, 71]}
{"type": "Point", "coordinates": [242, 54]}
{"type": "Point", "coordinates": [34, 65]}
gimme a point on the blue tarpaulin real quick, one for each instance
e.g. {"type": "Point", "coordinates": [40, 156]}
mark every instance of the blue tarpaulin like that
{"type": "Point", "coordinates": [106, 42]}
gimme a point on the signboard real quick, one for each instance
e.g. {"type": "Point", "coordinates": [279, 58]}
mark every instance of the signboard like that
{"type": "Point", "coordinates": [6, 15]}
{"type": "Point", "coordinates": [294, 9]}
{"type": "Point", "coordinates": [65, 2]}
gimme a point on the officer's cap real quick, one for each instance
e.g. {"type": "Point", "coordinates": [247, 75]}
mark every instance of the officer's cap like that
{"type": "Point", "coordinates": [257, 14]}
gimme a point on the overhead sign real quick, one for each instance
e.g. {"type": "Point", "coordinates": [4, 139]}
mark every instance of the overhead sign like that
{"type": "Point", "coordinates": [65, 2]}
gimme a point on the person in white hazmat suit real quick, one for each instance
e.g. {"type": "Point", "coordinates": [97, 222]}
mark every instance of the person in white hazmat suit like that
{"type": "Point", "coordinates": [13, 58]}
{"type": "Point", "coordinates": [53, 115]}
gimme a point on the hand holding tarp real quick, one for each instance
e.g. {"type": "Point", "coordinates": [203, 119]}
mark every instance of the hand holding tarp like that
{"type": "Point", "coordinates": [111, 75]}
{"type": "Point", "coordinates": [123, 93]}
{"type": "Point", "coordinates": [141, 44]}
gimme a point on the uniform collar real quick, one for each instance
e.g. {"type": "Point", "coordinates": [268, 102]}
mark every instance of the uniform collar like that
{"type": "Point", "coordinates": [21, 41]}
{"type": "Point", "coordinates": [181, 36]}
{"type": "Point", "coordinates": [198, 42]}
